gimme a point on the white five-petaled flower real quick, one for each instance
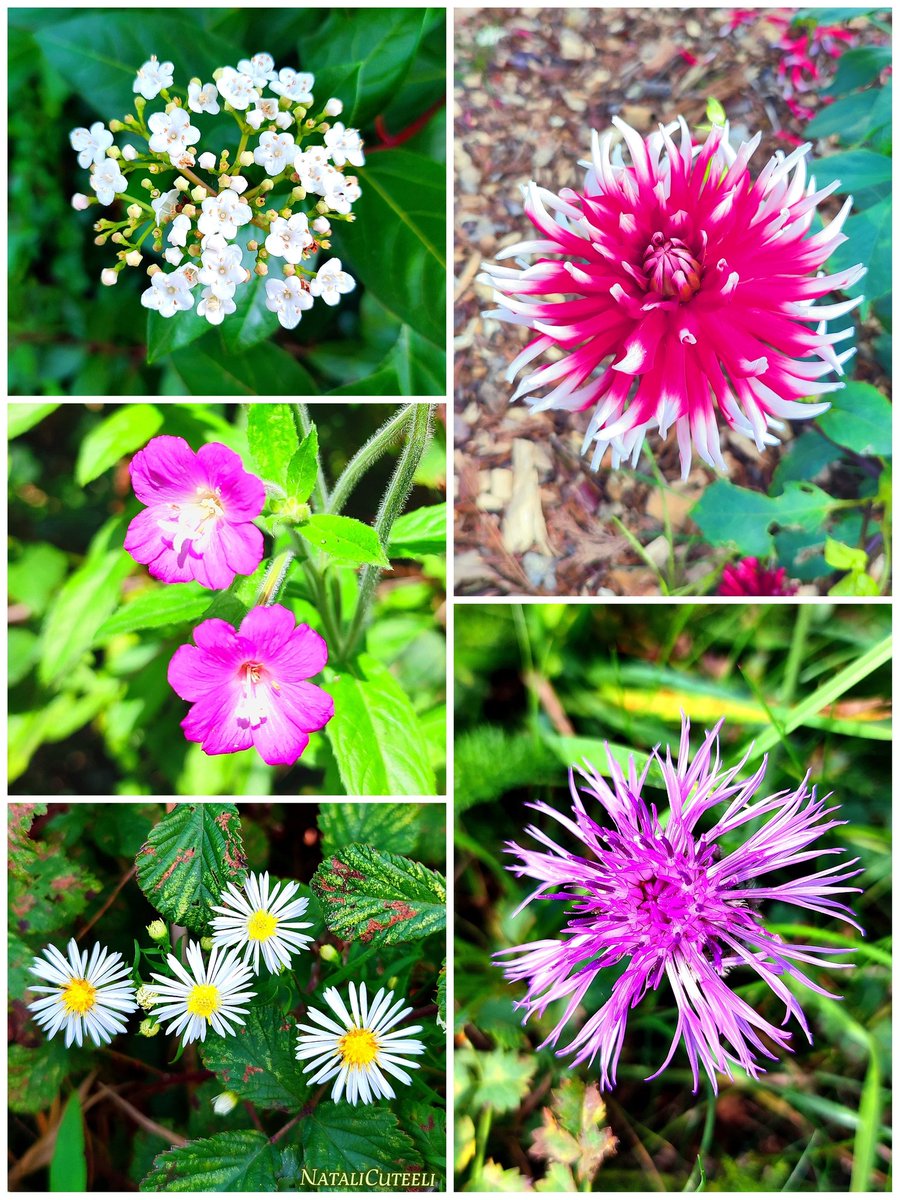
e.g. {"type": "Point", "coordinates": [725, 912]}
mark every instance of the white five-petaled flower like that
{"type": "Point", "coordinates": [341, 191]}
{"type": "Point", "coordinates": [237, 89]}
{"type": "Point", "coordinates": [331, 282]}
{"type": "Point", "coordinates": [275, 152]}
{"type": "Point", "coordinates": [345, 146]}
{"type": "Point", "coordinates": [294, 85]}
{"type": "Point", "coordinates": [311, 166]}
{"type": "Point", "coordinates": [172, 133]}
{"type": "Point", "coordinates": [262, 919]}
{"type": "Point", "coordinates": [214, 307]}
{"type": "Point", "coordinates": [289, 299]}
{"type": "Point", "coordinates": [289, 239]}
{"type": "Point", "coordinates": [221, 271]}
{"type": "Point", "coordinates": [86, 995]}
{"type": "Point", "coordinates": [267, 110]}
{"type": "Point", "coordinates": [107, 181]}
{"type": "Point", "coordinates": [203, 97]}
{"type": "Point", "coordinates": [223, 214]}
{"type": "Point", "coordinates": [260, 68]}
{"type": "Point", "coordinates": [358, 1048]}
{"type": "Point", "coordinates": [152, 77]}
{"type": "Point", "coordinates": [91, 144]}
{"type": "Point", "coordinates": [179, 230]}
{"type": "Point", "coordinates": [211, 993]}
{"type": "Point", "coordinates": [170, 292]}
{"type": "Point", "coordinates": [164, 206]}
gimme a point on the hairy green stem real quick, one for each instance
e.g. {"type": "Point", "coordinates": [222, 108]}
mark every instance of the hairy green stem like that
{"type": "Point", "coordinates": [366, 456]}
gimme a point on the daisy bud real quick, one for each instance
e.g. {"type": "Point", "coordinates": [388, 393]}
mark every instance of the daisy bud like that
{"type": "Point", "coordinates": [157, 930]}
{"type": "Point", "coordinates": [333, 107]}
{"type": "Point", "coordinates": [329, 954]}
{"type": "Point", "coordinates": [146, 998]}
{"type": "Point", "coordinates": [224, 1103]}
{"type": "Point", "coordinates": [80, 202]}
{"type": "Point", "coordinates": [134, 259]}
{"type": "Point", "coordinates": [207, 161]}
{"type": "Point", "coordinates": [109, 276]}
{"type": "Point", "coordinates": [148, 1027]}
{"type": "Point", "coordinates": [134, 211]}
{"type": "Point", "coordinates": [206, 943]}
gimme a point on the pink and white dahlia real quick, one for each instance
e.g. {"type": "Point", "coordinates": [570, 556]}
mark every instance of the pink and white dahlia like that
{"type": "Point", "coordinates": [677, 291]}
{"type": "Point", "coordinates": [248, 687]}
{"type": "Point", "coordinates": [198, 523]}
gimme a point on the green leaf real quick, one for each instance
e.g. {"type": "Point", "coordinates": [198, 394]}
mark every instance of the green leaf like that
{"type": "Point", "coordinates": [303, 468]}
{"type": "Point", "coordinates": [504, 1080]}
{"type": "Point", "coordinates": [68, 1167]}
{"type": "Point", "coordinates": [730, 515]}
{"type": "Point", "coordinates": [802, 459]}
{"type": "Point", "coordinates": [374, 896]}
{"type": "Point", "coordinates": [414, 367]}
{"type": "Point", "coordinates": [171, 604]}
{"type": "Point", "coordinates": [241, 1160]}
{"type": "Point", "coordinates": [84, 602]}
{"type": "Point", "coordinates": [165, 334]}
{"type": "Point", "coordinates": [404, 197]}
{"type": "Point", "coordinates": [22, 417]}
{"type": "Point", "coordinates": [856, 170]}
{"type": "Point", "coordinates": [869, 243]}
{"type": "Point", "coordinates": [187, 860]}
{"type": "Point", "coordinates": [860, 419]}
{"type": "Point", "coordinates": [426, 1126]}
{"type": "Point", "coordinates": [394, 825]}
{"type": "Point", "coordinates": [251, 322]}
{"type": "Point", "coordinates": [856, 68]}
{"type": "Point", "coordinates": [258, 1063]}
{"type": "Point", "coordinates": [854, 117]}
{"type": "Point", "coordinates": [263, 370]}
{"type": "Point", "coordinates": [376, 735]}
{"type": "Point", "coordinates": [344, 538]}
{"type": "Point", "coordinates": [336, 1139]}
{"type": "Point", "coordinates": [420, 532]}
{"type": "Point", "coordinates": [129, 428]}
{"type": "Point", "coordinates": [34, 576]}
{"type": "Point", "coordinates": [273, 441]}
{"type": "Point", "coordinates": [36, 1075]}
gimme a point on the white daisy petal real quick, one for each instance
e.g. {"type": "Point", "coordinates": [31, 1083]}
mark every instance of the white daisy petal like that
{"type": "Point", "coordinates": [211, 993]}
{"type": "Point", "coordinates": [88, 994]}
{"type": "Point", "coordinates": [262, 918]}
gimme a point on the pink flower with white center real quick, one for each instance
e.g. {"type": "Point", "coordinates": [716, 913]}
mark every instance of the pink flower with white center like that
{"type": "Point", "coordinates": [248, 687]}
{"type": "Point", "coordinates": [224, 214]}
{"type": "Point", "coordinates": [677, 291]}
{"type": "Point", "coordinates": [750, 578]}
{"type": "Point", "coordinates": [199, 514]}
{"type": "Point", "coordinates": [172, 133]}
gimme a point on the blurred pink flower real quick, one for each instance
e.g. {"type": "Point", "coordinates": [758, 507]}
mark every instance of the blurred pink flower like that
{"type": "Point", "coordinates": [677, 291]}
{"type": "Point", "coordinates": [198, 523]}
{"type": "Point", "coordinates": [248, 687]}
{"type": "Point", "coordinates": [749, 577]}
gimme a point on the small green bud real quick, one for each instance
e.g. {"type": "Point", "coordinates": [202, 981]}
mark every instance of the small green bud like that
{"type": "Point", "coordinates": [146, 998]}
{"type": "Point", "coordinates": [148, 1027]}
{"type": "Point", "coordinates": [328, 953]}
{"type": "Point", "coordinates": [206, 943]}
{"type": "Point", "coordinates": [157, 931]}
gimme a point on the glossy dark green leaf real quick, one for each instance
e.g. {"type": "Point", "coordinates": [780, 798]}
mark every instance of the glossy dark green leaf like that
{"type": "Point", "coordinates": [860, 419]}
{"type": "Point", "coordinates": [854, 169]}
{"type": "Point", "coordinates": [263, 370]}
{"type": "Point", "coordinates": [857, 67]}
{"type": "Point", "coordinates": [344, 538]}
{"type": "Point", "coordinates": [165, 334]}
{"type": "Point", "coordinates": [730, 515]}
{"type": "Point", "coordinates": [251, 322]}
{"type": "Point", "coordinates": [868, 242]}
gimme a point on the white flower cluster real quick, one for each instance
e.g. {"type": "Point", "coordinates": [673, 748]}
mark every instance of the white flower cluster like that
{"type": "Point", "coordinates": [302, 185]}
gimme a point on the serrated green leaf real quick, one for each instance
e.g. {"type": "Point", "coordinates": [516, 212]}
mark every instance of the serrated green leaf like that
{"type": "Point", "coordinates": [420, 532]}
{"type": "Point", "coordinates": [68, 1167]}
{"type": "Point", "coordinates": [273, 441]}
{"type": "Point", "coordinates": [378, 897]}
{"type": "Point", "coordinates": [171, 604]}
{"type": "Point", "coordinates": [336, 1139]}
{"type": "Point", "coordinates": [495, 1178]}
{"type": "Point", "coordinates": [344, 538]}
{"type": "Point", "coordinates": [376, 735]}
{"type": "Point", "coordinates": [22, 417]}
{"type": "Point", "coordinates": [394, 825]}
{"type": "Point", "coordinates": [187, 860]}
{"type": "Point", "coordinates": [303, 468]}
{"type": "Point", "coordinates": [36, 1075]}
{"type": "Point", "coordinates": [504, 1079]}
{"type": "Point", "coordinates": [730, 515]}
{"type": "Point", "coordinates": [241, 1160]}
{"type": "Point", "coordinates": [426, 1127]}
{"type": "Point", "coordinates": [258, 1062]}
{"type": "Point", "coordinates": [860, 419]}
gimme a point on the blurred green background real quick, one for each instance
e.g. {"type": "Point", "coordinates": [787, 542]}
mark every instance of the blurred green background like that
{"type": "Point", "coordinates": [69, 335]}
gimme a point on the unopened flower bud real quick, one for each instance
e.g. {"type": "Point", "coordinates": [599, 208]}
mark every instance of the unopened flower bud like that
{"type": "Point", "coordinates": [134, 211]}
{"type": "Point", "coordinates": [252, 245]}
{"type": "Point", "coordinates": [238, 184]}
{"type": "Point", "coordinates": [206, 943]}
{"type": "Point", "coordinates": [247, 159]}
{"type": "Point", "coordinates": [198, 193]}
{"type": "Point", "coordinates": [181, 184]}
{"type": "Point", "coordinates": [129, 153]}
{"type": "Point", "coordinates": [224, 1103]}
{"type": "Point", "coordinates": [146, 998]}
{"type": "Point", "coordinates": [190, 210]}
{"type": "Point", "coordinates": [80, 202]}
{"type": "Point", "coordinates": [288, 269]}
{"type": "Point", "coordinates": [173, 255]}
{"type": "Point", "coordinates": [113, 152]}
{"type": "Point", "coordinates": [153, 269]}
{"type": "Point", "coordinates": [148, 184]}
{"type": "Point", "coordinates": [266, 185]}
{"type": "Point", "coordinates": [153, 168]}
{"type": "Point", "coordinates": [207, 161]}
{"type": "Point", "coordinates": [261, 269]}
{"type": "Point", "coordinates": [115, 126]}
{"type": "Point", "coordinates": [298, 193]}
{"type": "Point", "coordinates": [134, 259]}
{"type": "Point", "coordinates": [109, 277]}
{"type": "Point", "coordinates": [329, 953]}
{"type": "Point", "coordinates": [148, 1027]}
{"type": "Point", "coordinates": [333, 107]}
{"type": "Point", "coordinates": [157, 930]}
{"type": "Point", "coordinates": [321, 225]}
{"type": "Point", "coordinates": [117, 238]}
{"type": "Point", "coordinates": [322, 207]}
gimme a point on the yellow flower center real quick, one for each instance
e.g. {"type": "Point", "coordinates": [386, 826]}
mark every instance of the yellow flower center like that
{"type": "Point", "coordinates": [79, 996]}
{"type": "Point", "coordinates": [203, 1000]}
{"type": "Point", "coordinates": [261, 926]}
{"type": "Point", "coordinates": [358, 1048]}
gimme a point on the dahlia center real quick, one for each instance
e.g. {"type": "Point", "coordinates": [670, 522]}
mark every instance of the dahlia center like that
{"type": "Point", "coordinates": [203, 1000]}
{"type": "Point", "coordinates": [358, 1048]}
{"type": "Point", "coordinates": [671, 268]}
{"type": "Point", "coordinates": [79, 996]}
{"type": "Point", "coordinates": [261, 926]}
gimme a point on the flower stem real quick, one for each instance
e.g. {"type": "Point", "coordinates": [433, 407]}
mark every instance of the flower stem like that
{"type": "Point", "coordinates": [392, 504]}
{"type": "Point", "coordinates": [365, 456]}
{"type": "Point", "coordinates": [320, 489]}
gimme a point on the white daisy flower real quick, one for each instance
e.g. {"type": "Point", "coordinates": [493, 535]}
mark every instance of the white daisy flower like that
{"type": "Point", "coordinates": [213, 995]}
{"type": "Point", "coordinates": [263, 919]}
{"type": "Point", "coordinates": [360, 1046]}
{"type": "Point", "coordinates": [86, 996]}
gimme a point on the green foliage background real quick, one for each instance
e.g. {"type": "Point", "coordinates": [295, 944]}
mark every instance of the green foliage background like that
{"type": "Point", "coordinates": [71, 336]}
{"type": "Point", "coordinates": [542, 687]}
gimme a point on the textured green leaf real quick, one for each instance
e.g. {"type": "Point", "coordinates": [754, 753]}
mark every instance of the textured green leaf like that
{"type": "Point", "coordinates": [273, 441]}
{"type": "Point", "coordinates": [394, 825]}
{"type": "Point", "coordinates": [426, 1126]}
{"type": "Point", "coordinates": [860, 419]}
{"type": "Point", "coordinates": [857, 67]}
{"type": "Point", "coordinates": [241, 1160]}
{"type": "Point", "coordinates": [855, 169]}
{"type": "Point", "coordinates": [36, 1075]}
{"type": "Point", "coordinates": [129, 428]}
{"type": "Point", "coordinates": [420, 532]}
{"type": "Point", "coordinates": [304, 467]}
{"type": "Point", "coordinates": [504, 1079]}
{"type": "Point", "coordinates": [84, 602]}
{"type": "Point", "coordinates": [376, 735]}
{"type": "Point", "coordinates": [730, 515]}
{"type": "Point", "coordinates": [374, 896]}
{"type": "Point", "coordinates": [22, 417]}
{"type": "Point", "coordinates": [68, 1167]}
{"type": "Point", "coordinates": [188, 858]}
{"type": "Point", "coordinates": [404, 197]}
{"type": "Point", "coordinates": [344, 538]}
{"type": "Point", "coordinates": [258, 1063]}
{"type": "Point", "coordinates": [336, 1139]}
{"type": "Point", "coordinates": [171, 604]}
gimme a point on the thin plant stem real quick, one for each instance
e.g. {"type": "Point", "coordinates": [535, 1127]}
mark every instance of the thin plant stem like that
{"type": "Point", "coordinates": [366, 456]}
{"type": "Point", "coordinates": [663, 487]}
{"type": "Point", "coordinates": [641, 553]}
{"type": "Point", "coordinates": [796, 652]}
{"type": "Point", "coordinates": [698, 1175]}
{"type": "Point", "coordinates": [484, 1130]}
{"type": "Point", "coordinates": [320, 487]}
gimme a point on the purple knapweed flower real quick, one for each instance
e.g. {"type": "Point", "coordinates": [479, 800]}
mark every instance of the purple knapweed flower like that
{"type": "Point", "coordinates": [675, 292]}
{"type": "Point", "coordinates": [749, 577]}
{"type": "Point", "coordinates": [679, 906]}
{"type": "Point", "coordinates": [200, 509]}
{"type": "Point", "coordinates": [248, 686]}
